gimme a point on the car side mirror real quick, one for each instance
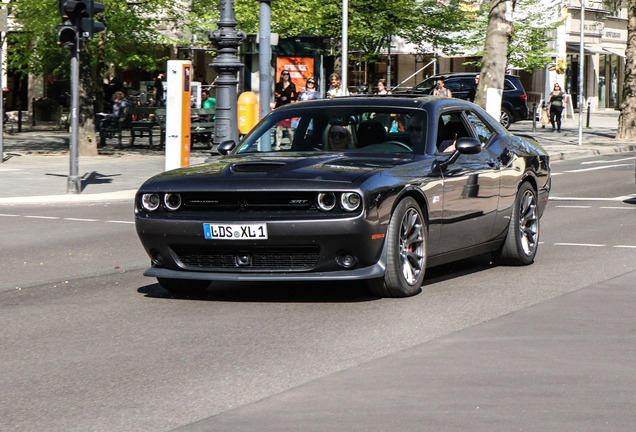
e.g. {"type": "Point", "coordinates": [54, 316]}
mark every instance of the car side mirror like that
{"type": "Point", "coordinates": [226, 147]}
{"type": "Point", "coordinates": [468, 146]}
{"type": "Point", "coordinates": [462, 146]}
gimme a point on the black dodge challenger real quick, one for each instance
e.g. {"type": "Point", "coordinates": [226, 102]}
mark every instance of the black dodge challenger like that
{"type": "Point", "coordinates": [355, 188]}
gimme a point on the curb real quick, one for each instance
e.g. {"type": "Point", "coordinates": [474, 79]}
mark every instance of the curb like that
{"type": "Point", "coordinates": [126, 195]}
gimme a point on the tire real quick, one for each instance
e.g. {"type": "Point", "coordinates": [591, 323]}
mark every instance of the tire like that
{"type": "Point", "coordinates": [406, 253]}
{"type": "Point", "coordinates": [522, 240]}
{"type": "Point", "coordinates": [183, 286]}
{"type": "Point", "coordinates": [506, 118]}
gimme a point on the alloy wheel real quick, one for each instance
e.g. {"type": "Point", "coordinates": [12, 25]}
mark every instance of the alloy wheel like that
{"type": "Point", "coordinates": [412, 251]}
{"type": "Point", "coordinates": [528, 223]}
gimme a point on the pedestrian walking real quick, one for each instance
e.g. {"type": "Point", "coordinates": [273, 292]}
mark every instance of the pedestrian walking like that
{"type": "Point", "coordinates": [473, 90]}
{"type": "Point", "coordinates": [310, 92]}
{"type": "Point", "coordinates": [336, 89]}
{"type": "Point", "coordinates": [381, 86]}
{"type": "Point", "coordinates": [555, 101]}
{"type": "Point", "coordinates": [158, 91]}
{"type": "Point", "coordinates": [440, 90]}
{"type": "Point", "coordinates": [284, 93]}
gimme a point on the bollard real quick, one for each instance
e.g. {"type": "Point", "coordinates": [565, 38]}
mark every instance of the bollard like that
{"type": "Point", "coordinates": [587, 124]}
{"type": "Point", "coordinates": [534, 116]}
{"type": "Point", "coordinates": [248, 111]}
{"type": "Point", "coordinates": [19, 116]}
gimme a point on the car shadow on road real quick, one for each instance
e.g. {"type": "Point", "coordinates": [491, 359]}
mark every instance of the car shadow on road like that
{"type": "Point", "coordinates": [313, 292]}
{"type": "Point", "coordinates": [274, 292]}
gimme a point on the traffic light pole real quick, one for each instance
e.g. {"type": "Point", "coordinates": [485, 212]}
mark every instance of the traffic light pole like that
{"type": "Point", "coordinates": [74, 184]}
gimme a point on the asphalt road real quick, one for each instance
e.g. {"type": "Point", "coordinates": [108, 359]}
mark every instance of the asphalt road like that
{"type": "Point", "coordinates": [88, 343]}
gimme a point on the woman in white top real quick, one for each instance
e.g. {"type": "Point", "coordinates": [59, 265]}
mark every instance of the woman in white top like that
{"type": "Point", "coordinates": [336, 88]}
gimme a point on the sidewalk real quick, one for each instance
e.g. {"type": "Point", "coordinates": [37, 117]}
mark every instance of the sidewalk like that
{"type": "Point", "coordinates": [40, 175]}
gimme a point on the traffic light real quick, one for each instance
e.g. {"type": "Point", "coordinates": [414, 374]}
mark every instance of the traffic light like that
{"type": "Point", "coordinates": [71, 12]}
{"type": "Point", "coordinates": [80, 14]}
{"type": "Point", "coordinates": [88, 26]}
{"type": "Point", "coordinates": [66, 35]}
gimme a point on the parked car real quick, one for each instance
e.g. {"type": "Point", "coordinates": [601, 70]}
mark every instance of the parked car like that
{"type": "Point", "coordinates": [514, 101]}
{"type": "Point", "coordinates": [365, 188]}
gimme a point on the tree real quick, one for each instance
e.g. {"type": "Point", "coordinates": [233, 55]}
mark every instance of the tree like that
{"type": "Point", "coordinates": [627, 118]}
{"type": "Point", "coordinates": [494, 60]}
{"type": "Point", "coordinates": [131, 40]}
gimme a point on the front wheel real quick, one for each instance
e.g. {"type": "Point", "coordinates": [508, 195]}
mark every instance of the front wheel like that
{"type": "Point", "coordinates": [522, 240]}
{"type": "Point", "coordinates": [406, 253]}
{"type": "Point", "coordinates": [183, 286]}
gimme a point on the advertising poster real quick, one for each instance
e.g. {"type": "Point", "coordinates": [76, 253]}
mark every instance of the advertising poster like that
{"type": "Point", "coordinates": [300, 68]}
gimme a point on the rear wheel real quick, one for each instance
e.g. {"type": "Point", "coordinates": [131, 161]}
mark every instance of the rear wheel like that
{"type": "Point", "coordinates": [522, 240]}
{"type": "Point", "coordinates": [183, 286]}
{"type": "Point", "coordinates": [506, 118]}
{"type": "Point", "coordinates": [406, 253]}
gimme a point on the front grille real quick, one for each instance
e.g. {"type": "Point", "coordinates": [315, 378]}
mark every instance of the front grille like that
{"type": "Point", "coordinates": [300, 258]}
{"type": "Point", "coordinates": [248, 201]}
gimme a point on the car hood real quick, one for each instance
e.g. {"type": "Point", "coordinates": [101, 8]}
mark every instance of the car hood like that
{"type": "Point", "coordinates": [280, 168]}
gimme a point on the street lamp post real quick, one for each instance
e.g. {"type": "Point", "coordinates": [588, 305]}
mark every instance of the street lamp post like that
{"type": "Point", "coordinates": [227, 39]}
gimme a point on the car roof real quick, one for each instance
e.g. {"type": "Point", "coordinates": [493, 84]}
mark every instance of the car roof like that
{"type": "Point", "coordinates": [395, 100]}
{"type": "Point", "coordinates": [460, 75]}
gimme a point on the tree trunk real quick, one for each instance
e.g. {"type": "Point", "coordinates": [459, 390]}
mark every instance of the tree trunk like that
{"type": "Point", "coordinates": [494, 60]}
{"type": "Point", "coordinates": [627, 118]}
{"type": "Point", "coordinates": [87, 139]}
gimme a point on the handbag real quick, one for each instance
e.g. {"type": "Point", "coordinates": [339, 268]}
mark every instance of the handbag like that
{"type": "Point", "coordinates": [545, 118]}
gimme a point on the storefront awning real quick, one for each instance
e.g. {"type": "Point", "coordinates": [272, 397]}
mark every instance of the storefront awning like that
{"type": "Point", "coordinates": [618, 52]}
{"type": "Point", "coordinates": [575, 48]}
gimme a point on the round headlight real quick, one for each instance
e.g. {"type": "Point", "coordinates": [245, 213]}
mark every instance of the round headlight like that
{"type": "Point", "coordinates": [150, 202]}
{"type": "Point", "coordinates": [350, 201]}
{"type": "Point", "coordinates": [172, 201]}
{"type": "Point", "coordinates": [326, 201]}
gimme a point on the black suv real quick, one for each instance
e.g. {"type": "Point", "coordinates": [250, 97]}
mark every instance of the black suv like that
{"type": "Point", "coordinates": [513, 104]}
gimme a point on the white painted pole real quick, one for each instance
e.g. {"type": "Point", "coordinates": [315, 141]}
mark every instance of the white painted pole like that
{"type": "Point", "coordinates": [345, 45]}
{"type": "Point", "coordinates": [581, 68]}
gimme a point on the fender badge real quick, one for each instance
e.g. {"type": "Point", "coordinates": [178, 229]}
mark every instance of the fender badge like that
{"type": "Point", "coordinates": [436, 199]}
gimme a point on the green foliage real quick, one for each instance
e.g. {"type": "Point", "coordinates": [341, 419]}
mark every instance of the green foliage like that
{"type": "Point", "coordinates": [535, 22]}
{"type": "Point", "coordinates": [131, 38]}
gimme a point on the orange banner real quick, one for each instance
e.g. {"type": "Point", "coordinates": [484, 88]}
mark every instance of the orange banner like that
{"type": "Point", "coordinates": [300, 68]}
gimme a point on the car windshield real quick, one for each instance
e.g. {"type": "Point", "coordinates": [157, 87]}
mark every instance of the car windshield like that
{"type": "Point", "coordinates": [426, 85]}
{"type": "Point", "coordinates": [339, 129]}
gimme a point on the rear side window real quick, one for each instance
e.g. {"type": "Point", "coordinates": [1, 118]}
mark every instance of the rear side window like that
{"type": "Point", "coordinates": [483, 131]}
{"type": "Point", "coordinates": [508, 85]}
{"type": "Point", "coordinates": [453, 85]}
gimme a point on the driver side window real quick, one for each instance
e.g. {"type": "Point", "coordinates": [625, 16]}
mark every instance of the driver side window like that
{"type": "Point", "coordinates": [483, 132]}
{"type": "Point", "coordinates": [450, 127]}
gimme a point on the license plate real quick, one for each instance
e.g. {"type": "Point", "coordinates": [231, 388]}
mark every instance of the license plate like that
{"type": "Point", "coordinates": [235, 231]}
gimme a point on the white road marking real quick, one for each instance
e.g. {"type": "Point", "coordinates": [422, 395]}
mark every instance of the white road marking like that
{"type": "Point", "coordinates": [9, 215]}
{"type": "Point", "coordinates": [625, 246]}
{"type": "Point", "coordinates": [619, 208]}
{"type": "Point", "coordinates": [122, 222]}
{"type": "Point", "coordinates": [620, 198]}
{"type": "Point", "coordinates": [42, 217]}
{"type": "Point", "coordinates": [81, 220]}
{"type": "Point", "coordinates": [597, 168]}
{"type": "Point", "coordinates": [579, 207]}
{"type": "Point", "coordinates": [604, 161]}
{"type": "Point", "coordinates": [579, 244]}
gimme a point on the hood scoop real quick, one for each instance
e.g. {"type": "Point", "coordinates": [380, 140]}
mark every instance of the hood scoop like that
{"type": "Point", "coordinates": [256, 167]}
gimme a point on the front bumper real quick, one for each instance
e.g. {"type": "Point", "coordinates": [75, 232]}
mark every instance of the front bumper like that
{"type": "Point", "coordinates": [308, 250]}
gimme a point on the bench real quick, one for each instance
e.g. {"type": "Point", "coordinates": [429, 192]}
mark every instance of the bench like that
{"type": "Point", "coordinates": [136, 120]}
{"type": "Point", "coordinates": [200, 131]}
